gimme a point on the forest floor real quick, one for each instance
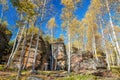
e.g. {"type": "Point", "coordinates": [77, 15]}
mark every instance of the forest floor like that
{"type": "Point", "coordinates": [11, 74]}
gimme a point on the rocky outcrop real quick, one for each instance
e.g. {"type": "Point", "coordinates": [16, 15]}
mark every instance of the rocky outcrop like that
{"type": "Point", "coordinates": [59, 56]}
{"type": "Point", "coordinates": [29, 52]}
{"type": "Point", "coordinates": [84, 60]}
{"type": "Point", "coordinates": [44, 54]}
{"type": "Point", "coordinates": [5, 36]}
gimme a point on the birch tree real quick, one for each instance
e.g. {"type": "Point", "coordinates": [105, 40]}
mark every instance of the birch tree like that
{"type": "Point", "coordinates": [67, 16]}
{"type": "Point", "coordinates": [22, 8]}
{"type": "Point", "coordinates": [37, 44]}
{"type": "Point", "coordinates": [112, 27]}
{"type": "Point", "coordinates": [51, 25]}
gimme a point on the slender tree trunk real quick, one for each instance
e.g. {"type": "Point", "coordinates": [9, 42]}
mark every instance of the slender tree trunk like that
{"type": "Point", "coordinates": [69, 50]}
{"type": "Point", "coordinates": [112, 60]}
{"type": "Point", "coordinates": [104, 45]}
{"type": "Point", "coordinates": [13, 54]}
{"type": "Point", "coordinates": [117, 55]}
{"type": "Point", "coordinates": [22, 56]}
{"type": "Point", "coordinates": [58, 49]}
{"type": "Point", "coordinates": [118, 59]}
{"type": "Point", "coordinates": [113, 31]}
{"type": "Point", "coordinates": [52, 57]}
{"type": "Point", "coordinates": [94, 45]}
{"type": "Point", "coordinates": [13, 48]}
{"type": "Point", "coordinates": [55, 64]}
{"type": "Point", "coordinates": [36, 49]}
{"type": "Point", "coordinates": [79, 43]}
{"type": "Point", "coordinates": [29, 51]}
{"type": "Point", "coordinates": [107, 60]}
{"type": "Point", "coordinates": [83, 45]}
{"type": "Point", "coordinates": [34, 61]}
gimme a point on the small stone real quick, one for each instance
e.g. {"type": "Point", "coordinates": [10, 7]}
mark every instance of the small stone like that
{"type": "Point", "coordinates": [34, 78]}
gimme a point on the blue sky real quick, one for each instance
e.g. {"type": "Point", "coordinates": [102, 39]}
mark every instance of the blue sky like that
{"type": "Point", "coordinates": [11, 16]}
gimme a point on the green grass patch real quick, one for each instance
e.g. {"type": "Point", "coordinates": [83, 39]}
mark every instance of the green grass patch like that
{"type": "Point", "coordinates": [115, 70]}
{"type": "Point", "coordinates": [115, 67]}
{"type": "Point", "coordinates": [1, 67]}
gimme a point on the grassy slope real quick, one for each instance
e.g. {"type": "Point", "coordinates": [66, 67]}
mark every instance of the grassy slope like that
{"type": "Point", "coordinates": [47, 75]}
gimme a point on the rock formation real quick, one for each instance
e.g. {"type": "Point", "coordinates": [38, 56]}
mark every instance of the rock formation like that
{"type": "Point", "coordinates": [84, 60]}
{"type": "Point", "coordinates": [59, 56]}
{"type": "Point", "coordinates": [43, 60]}
{"type": "Point", "coordinates": [30, 51]}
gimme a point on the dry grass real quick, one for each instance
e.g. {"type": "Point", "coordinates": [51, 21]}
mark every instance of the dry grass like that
{"type": "Point", "coordinates": [11, 74]}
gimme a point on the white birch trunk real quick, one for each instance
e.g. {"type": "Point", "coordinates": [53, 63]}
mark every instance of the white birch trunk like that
{"type": "Point", "coordinates": [12, 49]}
{"type": "Point", "coordinates": [36, 49]}
{"type": "Point", "coordinates": [29, 51]}
{"type": "Point", "coordinates": [112, 60]}
{"type": "Point", "coordinates": [113, 31]}
{"type": "Point", "coordinates": [69, 50]}
{"type": "Point", "coordinates": [104, 45]}
{"type": "Point", "coordinates": [22, 57]}
{"type": "Point", "coordinates": [15, 49]}
{"type": "Point", "coordinates": [35, 55]}
{"type": "Point", "coordinates": [118, 59]}
{"type": "Point", "coordinates": [94, 45]}
{"type": "Point", "coordinates": [52, 58]}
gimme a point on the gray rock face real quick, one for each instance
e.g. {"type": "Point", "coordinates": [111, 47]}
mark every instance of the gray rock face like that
{"type": "Point", "coordinates": [85, 61]}
{"type": "Point", "coordinates": [44, 54]}
{"type": "Point", "coordinates": [59, 56]}
{"type": "Point", "coordinates": [34, 78]}
{"type": "Point", "coordinates": [29, 52]}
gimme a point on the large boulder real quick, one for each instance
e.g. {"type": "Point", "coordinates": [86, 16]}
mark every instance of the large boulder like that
{"type": "Point", "coordinates": [59, 56]}
{"type": "Point", "coordinates": [44, 54]}
{"type": "Point", "coordinates": [29, 52]}
{"type": "Point", "coordinates": [84, 60]}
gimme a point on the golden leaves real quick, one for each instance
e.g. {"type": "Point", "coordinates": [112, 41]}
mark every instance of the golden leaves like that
{"type": "Point", "coordinates": [3, 1]}
{"type": "Point", "coordinates": [70, 4]}
{"type": "Point", "coordinates": [67, 15]}
{"type": "Point", "coordinates": [51, 23]}
{"type": "Point", "coordinates": [25, 6]}
{"type": "Point", "coordinates": [33, 29]}
{"type": "Point", "coordinates": [63, 25]}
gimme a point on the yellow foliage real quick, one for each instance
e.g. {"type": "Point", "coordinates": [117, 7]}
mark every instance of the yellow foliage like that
{"type": "Point", "coordinates": [63, 25]}
{"type": "Point", "coordinates": [51, 23]}
{"type": "Point", "coordinates": [33, 29]}
{"type": "Point", "coordinates": [3, 1]}
{"type": "Point", "coordinates": [4, 23]}
{"type": "Point", "coordinates": [7, 32]}
{"type": "Point", "coordinates": [70, 4]}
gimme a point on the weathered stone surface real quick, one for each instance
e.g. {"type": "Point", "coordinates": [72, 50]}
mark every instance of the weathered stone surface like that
{"type": "Point", "coordinates": [44, 54]}
{"type": "Point", "coordinates": [84, 61]}
{"type": "Point", "coordinates": [34, 78]}
{"type": "Point", "coordinates": [29, 52]}
{"type": "Point", "coordinates": [59, 55]}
